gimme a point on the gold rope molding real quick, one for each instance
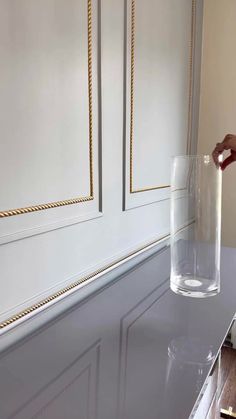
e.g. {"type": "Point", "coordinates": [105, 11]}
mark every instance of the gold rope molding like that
{"type": "Point", "coordinates": [77, 200]}
{"type": "Point", "coordinates": [86, 278]}
{"type": "Point", "coordinates": [75, 284]}
{"type": "Point", "coordinates": [132, 82]}
{"type": "Point", "coordinates": [191, 68]}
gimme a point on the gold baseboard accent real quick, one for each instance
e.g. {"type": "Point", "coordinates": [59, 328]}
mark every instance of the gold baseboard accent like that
{"type": "Point", "coordinates": [22, 314]}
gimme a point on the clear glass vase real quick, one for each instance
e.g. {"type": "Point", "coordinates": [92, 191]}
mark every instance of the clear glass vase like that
{"type": "Point", "coordinates": [196, 186]}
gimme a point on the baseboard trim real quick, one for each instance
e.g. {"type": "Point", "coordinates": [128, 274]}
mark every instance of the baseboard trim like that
{"type": "Point", "coordinates": [25, 314]}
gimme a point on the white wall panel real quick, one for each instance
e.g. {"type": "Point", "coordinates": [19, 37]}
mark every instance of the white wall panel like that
{"type": "Point", "coordinates": [48, 125]}
{"type": "Point", "coordinates": [160, 42]}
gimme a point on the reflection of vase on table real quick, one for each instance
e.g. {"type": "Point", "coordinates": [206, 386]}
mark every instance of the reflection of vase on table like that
{"type": "Point", "coordinates": [189, 361]}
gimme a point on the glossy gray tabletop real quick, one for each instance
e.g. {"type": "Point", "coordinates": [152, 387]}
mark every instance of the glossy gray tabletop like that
{"type": "Point", "coordinates": [133, 350]}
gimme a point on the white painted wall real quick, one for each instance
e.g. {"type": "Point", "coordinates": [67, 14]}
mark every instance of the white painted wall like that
{"type": "Point", "coordinates": [44, 134]}
{"type": "Point", "coordinates": [218, 97]}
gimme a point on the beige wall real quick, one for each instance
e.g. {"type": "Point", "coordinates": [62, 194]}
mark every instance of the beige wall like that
{"type": "Point", "coordinates": [218, 97]}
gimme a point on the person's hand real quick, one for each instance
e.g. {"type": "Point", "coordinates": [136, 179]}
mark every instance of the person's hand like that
{"type": "Point", "coordinates": [229, 143]}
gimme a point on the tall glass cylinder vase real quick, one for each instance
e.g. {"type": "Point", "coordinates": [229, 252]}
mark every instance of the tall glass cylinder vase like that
{"type": "Point", "coordinates": [195, 226]}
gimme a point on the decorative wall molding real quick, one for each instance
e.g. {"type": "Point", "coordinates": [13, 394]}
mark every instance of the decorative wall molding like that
{"type": "Point", "coordinates": [191, 76]}
{"type": "Point", "coordinates": [35, 308]}
{"type": "Point", "coordinates": [132, 85]}
{"type": "Point", "coordinates": [83, 371]}
{"type": "Point", "coordinates": [84, 169]}
{"type": "Point", "coordinates": [77, 200]}
{"type": "Point", "coordinates": [131, 93]}
{"type": "Point", "coordinates": [126, 323]}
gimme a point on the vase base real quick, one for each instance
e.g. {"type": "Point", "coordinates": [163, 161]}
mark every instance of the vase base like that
{"type": "Point", "coordinates": [193, 287]}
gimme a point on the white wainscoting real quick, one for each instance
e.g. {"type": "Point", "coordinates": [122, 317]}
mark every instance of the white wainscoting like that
{"type": "Point", "coordinates": [46, 150]}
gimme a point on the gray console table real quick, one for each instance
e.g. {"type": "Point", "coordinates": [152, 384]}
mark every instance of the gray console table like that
{"type": "Point", "coordinates": [129, 349]}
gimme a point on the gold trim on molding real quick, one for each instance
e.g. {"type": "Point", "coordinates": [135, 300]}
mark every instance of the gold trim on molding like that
{"type": "Point", "coordinates": [74, 285]}
{"type": "Point", "coordinates": [77, 200]}
{"type": "Point", "coordinates": [150, 188]}
{"type": "Point", "coordinates": [191, 69]}
{"type": "Point", "coordinates": [132, 92]}
{"type": "Point", "coordinates": [132, 82]}
{"type": "Point", "coordinates": [42, 207]}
